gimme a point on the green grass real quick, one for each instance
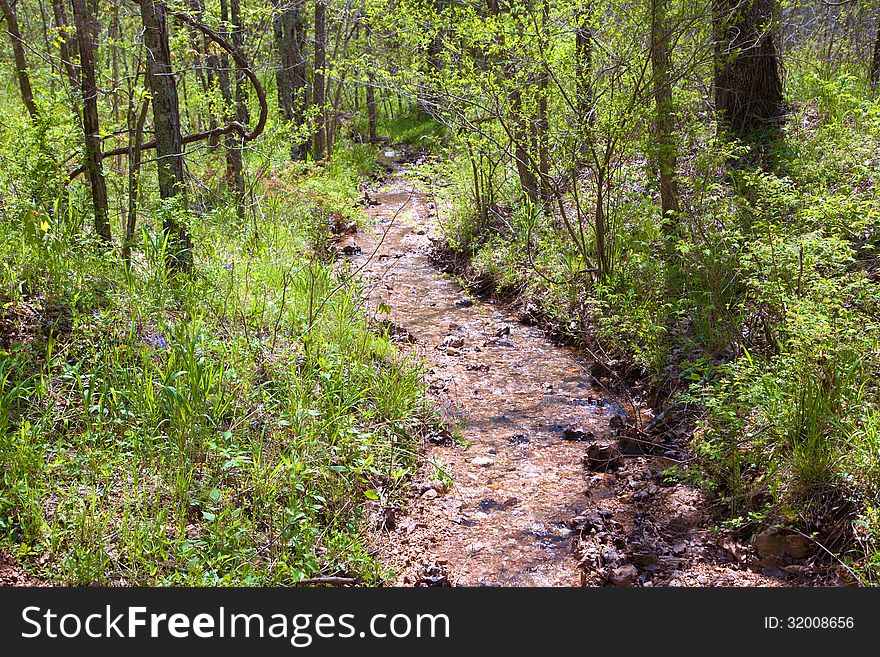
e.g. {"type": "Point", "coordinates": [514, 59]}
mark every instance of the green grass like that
{"type": "Point", "coordinates": [229, 427]}
{"type": "Point", "coordinates": [407, 126]}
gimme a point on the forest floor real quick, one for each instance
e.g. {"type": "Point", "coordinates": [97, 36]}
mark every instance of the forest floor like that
{"type": "Point", "coordinates": [11, 574]}
{"type": "Point", "coordinates": [536, 486]}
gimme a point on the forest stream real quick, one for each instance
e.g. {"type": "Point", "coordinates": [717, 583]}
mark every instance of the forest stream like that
{"type": "Point", "coordinates": [526, 409]}
{"type": "Point", "coordinates": [512, 392]}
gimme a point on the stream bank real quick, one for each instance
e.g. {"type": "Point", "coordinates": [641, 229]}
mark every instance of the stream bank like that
{"type": "Point", "coordinates": [542, 486]}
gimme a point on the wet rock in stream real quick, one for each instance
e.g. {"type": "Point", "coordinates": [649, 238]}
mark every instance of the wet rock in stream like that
{"type": "Point", "coordinates": [452, 342]}
{"type": "Point", "coordinates": [576, 434]}
{"type": "Point", "coordinates": [602, 457]}
{"type": "Point", "coordinates": [625, 575]}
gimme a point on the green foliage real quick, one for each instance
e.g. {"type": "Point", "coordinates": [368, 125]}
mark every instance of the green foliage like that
{"type": "Point", "coordinates": [217, 428]}
{"type": "Point", "coordinates": [759, 302]}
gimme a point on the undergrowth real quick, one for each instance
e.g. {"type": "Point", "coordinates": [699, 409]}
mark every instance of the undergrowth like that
{"type": "Point", "coordinates": [759, 308]}
{"type": "Point", "coordinates": [226, 427]}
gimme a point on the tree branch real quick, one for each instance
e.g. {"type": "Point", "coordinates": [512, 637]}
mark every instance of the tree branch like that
{"type": "Point", "coordinates": [232, 126]}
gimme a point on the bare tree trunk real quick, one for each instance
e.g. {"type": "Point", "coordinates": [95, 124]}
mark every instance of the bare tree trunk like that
{"type": "Point", "coordinates": [241, 90]}
{"type": "Point", "coordinates": [137, 120]}
{"type": "Point", "coordinates": [875, 60]}
{"type": "Point", "coordinates": [519, 133]}
{"type": "Point", "coordinates": [584, 76]}
{"type": "Point", "coordinates": [198, 40]}
{"type": "Point", "coordinates": [319, 91]}
{"type": "Point", "coordinates": [664, 119]}
{"type": "Point", "coordinates": [292, 80]}
{"type": "Point", "coordinates": [542, 125]}
{"type": "Point", "coordinates": [603, 262]}
{"type": "Point", "coordinates": [300, 75]}
{"type": "Point", "coordinates": [66, 47]}
{"type": "Point", "coordinates": [114, 32]}
{"type": "Point", "coordinates": [371, 96]}
{"type": "Point", "coordinates": [213, 72]}
{"type": "Point", "coordinates": [748, 82]}
{"type": "Point", "coordinates": [200, 45]}
{"type": "Point", "coordinates": [46, 46]}
{"type": "Point", "coordinates": [86, 37]}
{"type": "Point", "coordinates": [21, 65]}
{"type": "Point", "coordinates": [281, 24]}
{"type": "Point", "coordinates": [166, 125]}
{"type": "Point", "coordinates": [427, 98]}
{"type": "Point", "coordinates": [234, 162]}
{"type": "Point", "coordinates": [241, 108]}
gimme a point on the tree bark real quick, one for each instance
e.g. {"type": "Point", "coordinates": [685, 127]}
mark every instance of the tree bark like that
{"type": "Point", "coordinates": [519, 131]}
{"type": "Point", "coordinates": [213, 72]}
{"type": "Point", "coordinates": [292, 79]}
{"type": "Point", "coordinates": [281, 24]}
{"type": "Point", "coordinates": [542, 121]}
{"type": "Point", "coordinates": [664, 108]}
{"type": "Point", "coordinates": [319, 83]}
{"type": "Point", "coordinates": [748, 82]}
{"type": "Point", "coordinates": [86, 38]}
{"type": "Point", "coordinates": [427, 97]}
{"type": "Point", "coordinates": [166, 125]}
{"type": "Point", "coordinates": [66, 47]}
{"type": "Point", "coordinates": [584, 76]}
{"type": "Point", "coordinates": [21, 65]}
{"type": "Point", "coordinates": [875, 60]}
{"type": "Point", "coordinates": [371, 96]}
{"type": "Point", "coordinates": [201, 46]}
{"type": "Point", "coordinates": [234, 161]}
{"type": "Point", "coordinates": [241, 90]}
{"type": "Point", "coordinates": [136, 119]}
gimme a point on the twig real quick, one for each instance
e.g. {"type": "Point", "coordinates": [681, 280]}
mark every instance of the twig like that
{"type": "Point", "coordinates": [328, 581]}
{"type": "Point", "coordinates": [827, 551]}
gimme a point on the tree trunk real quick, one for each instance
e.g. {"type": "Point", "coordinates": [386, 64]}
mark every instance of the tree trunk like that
{"type": "Point", "coordinates": [664, 119]}
{"type": "Point", "coordinates": [86, 38]}
{"type": "Point", "coordinates": [319, 91]}
{"type": "Point", "coordinates": [21, 65]}
{"type": "Point", "coordinates": [215, 71]}
{"type": "Point", "coordinates": [875, 60]}
{"type": "Point", "coordinates": [166, 125]}
{"type": "Point", "coordinates": [542, 124]}
{"type": "Point", "coordinates": [200, 47]}
{"type": "Point", "coordinates": [519, 133]}
{"type": "Point", "coordinates": [292, 80]}
{"type": "Point", "coordinates": [234, 162]}
{"type": "Point", "coordinates": [584, 76]}
{"type": "Point", "coordinates": [281, 24]}
{"type": "Point", "coordinates": [371, 95]}
{"type": "Point", "coordinates": [300, 77]}
{"type": "Point", "coordinates": [136, 121]}
{"type": "Point", "coordinates": [66, 47]}
{"type": "Point", "coordinates": [198, 41]}
{"type": "Point", "coordinates": [528, 182]}
{"type": "Point", "coordinates": [241, 107]}
{"type": "Point", "coordinates": [748, 83]}
{"type": "Point", "coordinates": [427, 97]}
{"type": "Point", "coordinates": [241, 89]}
